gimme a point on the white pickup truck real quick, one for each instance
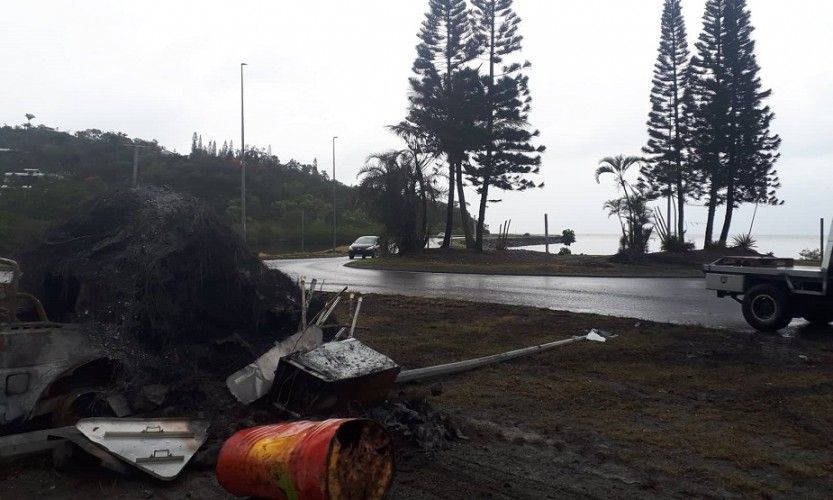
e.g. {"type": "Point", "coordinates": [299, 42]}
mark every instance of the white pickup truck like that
{"type": "Point", "coordinates": [773, 290]}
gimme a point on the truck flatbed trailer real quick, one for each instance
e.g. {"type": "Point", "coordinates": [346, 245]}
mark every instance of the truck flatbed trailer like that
{"type": "Point", "coordinates": [772, 291]}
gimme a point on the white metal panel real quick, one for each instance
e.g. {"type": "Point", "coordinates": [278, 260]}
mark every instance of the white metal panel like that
{"type": "Point", "coordinates": [725, 282]}
{"type": "Point", "coordinates": [161, 446]}
{"type": "Point", "coordinates": [254, 380]}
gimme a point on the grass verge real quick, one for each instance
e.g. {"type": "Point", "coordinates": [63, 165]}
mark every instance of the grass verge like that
{"type": "Point", "coordinates": [521, 262]}
{"type": "Point", "coordinates": [678, 408]}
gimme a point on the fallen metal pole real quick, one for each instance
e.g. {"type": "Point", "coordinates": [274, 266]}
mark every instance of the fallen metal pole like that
{"type": "Point", "coordinates": [355, 317]}
{"type": "Point", "coordinates": [326, 315]}
{"type": "Point", "coordinates": [303, 304]}
{"type": "Point", "coordinates": [328, 308]}
{"type": "Point", "coordinates": [471, 364]}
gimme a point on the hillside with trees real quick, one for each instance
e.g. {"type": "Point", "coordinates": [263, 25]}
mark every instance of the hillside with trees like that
{"type": "Point", "coordinates": [76, 167]}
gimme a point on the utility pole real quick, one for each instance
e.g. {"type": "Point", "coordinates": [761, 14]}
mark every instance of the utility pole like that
{"type": "Point", "coordinates": [547, 232]}
{"type": "Point", "coordinates": [821, 238]}
{"type": "Point", "coordinates": [136, 147]}
{"type": "Point", "coordinates": [135, 166]}
{"type": "Point", "coordinates": [334, 194]}
{"type": "Point", "coordinates": [242, 158]}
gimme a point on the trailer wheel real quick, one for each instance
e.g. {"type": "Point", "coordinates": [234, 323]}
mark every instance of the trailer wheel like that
{"type": "Point", "coordinates": [766, 308]}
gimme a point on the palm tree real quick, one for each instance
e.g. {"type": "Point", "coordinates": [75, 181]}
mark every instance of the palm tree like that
{"type": "Point", "coordinates": [619, 166]}
{"type": "Point", "coordinates": [389, 186]}
{"type": "Point", "coordinates": [423, 155]}
{"type": "Point", "coordinates": [29, 117]}
{"type": "Point", "coordinates": [617, 207]}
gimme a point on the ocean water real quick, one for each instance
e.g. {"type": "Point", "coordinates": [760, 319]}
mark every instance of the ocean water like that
{"type": "Point", "coordinates": [787, 246]}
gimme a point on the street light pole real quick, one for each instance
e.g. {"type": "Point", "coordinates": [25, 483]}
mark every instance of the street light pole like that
{"type": "Point", "coordinates": [135, 165]}
{"type": "Point", "coordinates": [334, 194]}
{"type": "Point", "coordinates": [136, 147]}
{"type": "Point", "coordinates": [242, 158]}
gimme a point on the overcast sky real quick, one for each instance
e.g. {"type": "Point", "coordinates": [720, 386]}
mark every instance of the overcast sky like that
{"type": "Point", "coordinates": [317, 68]}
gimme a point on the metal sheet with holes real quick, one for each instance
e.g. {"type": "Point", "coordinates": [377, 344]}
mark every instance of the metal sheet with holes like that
{"type": "Point", "coordinates": [161, 447]}
{"type": "Point", "coordinates": [346, 359]}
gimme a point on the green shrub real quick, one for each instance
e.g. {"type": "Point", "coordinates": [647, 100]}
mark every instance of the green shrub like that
{"type": "Point", "coordinates": [676, 244]}
{"type": "Point", "coordinates": [568, 237]}
{"type": "Point", "coordinates": [744, 242]}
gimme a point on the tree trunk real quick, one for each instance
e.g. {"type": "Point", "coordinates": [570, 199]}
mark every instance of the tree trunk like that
{"type": "Point", "coordinates": [710, 219]}
{"type": "Point", "coordinates": [423, 198]}
{"type": "Point", "coordinates": [424, 226]}
{"type": "Point", "coordinates": [631, 229]}
{"type": "Point", "coordinates": [680, 210]}
{"type": "Point", "coordinates": [464, 212]}
{"type": "Point", "coordinates": [730, 206]}
{"type": "Point", "coordinates": [449, 212]}
{"type": "Point", "coordinates": [732, 170]}
{"type": "Point", "coordinates": [487, 169]}
{"type": "Point", "coordinates": [481, 214]}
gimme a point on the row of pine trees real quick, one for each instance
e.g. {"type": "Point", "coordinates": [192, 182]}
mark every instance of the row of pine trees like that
{"type": "Point", "coordinates": [709, 127]}
{"type": "Point", "coordinates": [469, 103]}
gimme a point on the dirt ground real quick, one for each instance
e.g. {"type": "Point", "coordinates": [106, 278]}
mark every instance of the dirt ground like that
{"type": "Point", "coordinates": [659, 411]}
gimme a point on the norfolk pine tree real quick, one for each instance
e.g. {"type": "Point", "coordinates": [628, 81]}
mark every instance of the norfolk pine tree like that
{"type": "Point", "coordinates": [444, 50]}
{"type": "Point", "coordinates": [733, 145]}
{"type": "Point", "coordinates": [506, 155]}
{"type": "Point", "coordinates": [710, 96]}
{"type": "Point", "coordinates": [753, 149]}
{"type": "Point", "coordinates": [667, 170]}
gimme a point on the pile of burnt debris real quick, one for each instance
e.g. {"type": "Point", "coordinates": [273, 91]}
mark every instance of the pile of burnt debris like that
{"type": "Point", "coordinates": [167, 338]}
{"type": "Point", "coordinates": [162, 265]}
{"type": "Point", "coordinates": [159, 334]}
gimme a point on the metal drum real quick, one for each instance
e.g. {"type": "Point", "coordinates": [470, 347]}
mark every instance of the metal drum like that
{"type": "Point", "coordinates": [337, 458]}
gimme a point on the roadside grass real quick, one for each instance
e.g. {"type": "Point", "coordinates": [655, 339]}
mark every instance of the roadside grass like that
{"type": "Point", "coordinates": [341, 251]}
{"type": "Point", "coordinates": [741, 412]}
{"type": "Point", "coordinates": [519, 262]}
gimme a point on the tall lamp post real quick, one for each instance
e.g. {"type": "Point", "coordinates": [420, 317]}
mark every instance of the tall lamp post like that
{"type": "Point", "coordinates": [136, 147]}
{"type": "Point", "coordinates": [242, 158]}
{"type": "Point", "coordinates": [334, 194]}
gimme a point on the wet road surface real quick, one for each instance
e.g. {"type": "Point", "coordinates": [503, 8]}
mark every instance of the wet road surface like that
{"type": "Point", "coordinates": [671, 300]}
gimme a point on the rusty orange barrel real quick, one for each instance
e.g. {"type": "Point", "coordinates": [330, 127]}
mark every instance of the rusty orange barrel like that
{"type": "Point", "coordinates": [336, 458]}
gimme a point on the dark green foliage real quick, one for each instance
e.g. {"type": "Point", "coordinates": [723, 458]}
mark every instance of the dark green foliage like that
{"type": "Point", "coordinates": [810, 254]}
{"type": "Point", "coordinates": [669, 241]}
{"type": "Point", "coordinates": [744, 242]}
{"type": "Point", "coordinates": [733, 146]}
{"type": "Point", "coordinates": [675, 244]}
{"type": "Point", "coordinates": [390, 188]}
{"type": "Point", "coordinates": [635, 218]}
{"type": "Point", "coordinates": [91, 162]}
{"type": "Point", "coordinates": [506, 155]}
{"type": "Point", "coordinates": [564, 251]}
{"type": "Point", "coordinates": [568, 237]}
{"type": "Point", "coordinates": [422, 174]}
{"type": "Point", "coordinates": [442, 91]}
{"type": "Point", "coordinates": [476, 122]}
{"type": "Point", "coordinates": [667, 170]}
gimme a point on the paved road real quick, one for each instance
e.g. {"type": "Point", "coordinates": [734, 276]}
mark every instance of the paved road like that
{"type": "Point", "coordinates": [674, 300]}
